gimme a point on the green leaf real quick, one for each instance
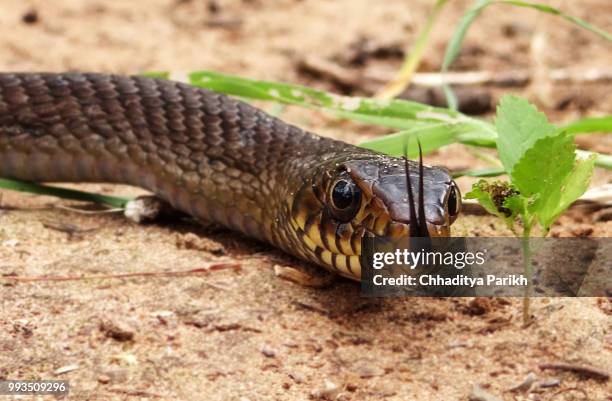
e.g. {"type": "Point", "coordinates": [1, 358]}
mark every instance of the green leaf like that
{"type": "Point", "coordinates": [519, 125]}
{"type": "Point", "coordinates": [494, 196]}
{"type": "Point", "coordinates": [518, 205]}
{"type": "Point", "coordinates": [549, 174]}
{"type": "Point", "coordinates": [573, 186]}
{"type": "Point", "coordinates": [544, 165]}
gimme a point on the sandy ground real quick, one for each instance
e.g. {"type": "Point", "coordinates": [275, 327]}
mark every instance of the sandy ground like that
{"type": "Point", "coordinates": [243, 333]}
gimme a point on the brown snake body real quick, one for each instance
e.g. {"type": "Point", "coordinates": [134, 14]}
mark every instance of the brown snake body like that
{"type": "Point", "coordinates": [218, 159]}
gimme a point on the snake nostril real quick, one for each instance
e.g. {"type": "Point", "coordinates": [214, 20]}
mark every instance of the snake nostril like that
{"type": "Point", "coordinates": [453, 202]}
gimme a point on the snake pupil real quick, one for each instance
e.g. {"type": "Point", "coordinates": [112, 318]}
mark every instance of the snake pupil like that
{"type": "Point", "coordinates": [345, 200]}
{"type": "Point", "coordinates": [343, 195]}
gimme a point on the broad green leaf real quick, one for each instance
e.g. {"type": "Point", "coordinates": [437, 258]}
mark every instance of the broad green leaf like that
{"type": "Point", "coordinates": [544, 165]}
{"type": "Point", "coordinates": [549, 174]}
{"type": "Point", "coordinates": [519, 125]}
{"type": "Point", "coordinates": [573, 186]}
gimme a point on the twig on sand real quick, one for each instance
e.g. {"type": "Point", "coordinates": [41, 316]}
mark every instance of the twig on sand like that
{"type": "Point", "coordinates": [200, 270]}
{"type": "Point", "coordinates": [582, 370]}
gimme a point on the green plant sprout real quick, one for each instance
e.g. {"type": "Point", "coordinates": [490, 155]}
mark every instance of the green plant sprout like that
{"type": "Point", "coordinates": [546, 176]}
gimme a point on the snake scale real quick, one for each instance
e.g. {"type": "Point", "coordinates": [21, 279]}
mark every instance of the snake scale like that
{"type": "Point", "coordinates": [219, 160]}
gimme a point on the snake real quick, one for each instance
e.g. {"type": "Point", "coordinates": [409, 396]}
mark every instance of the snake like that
{"type": "Point", "coordinates": [220, 160]}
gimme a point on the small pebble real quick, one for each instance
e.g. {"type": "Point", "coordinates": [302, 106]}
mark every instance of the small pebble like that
{"type": "Point", "coordinates": [117, 330]}
{"type": "Point", "coordinates": [162, 313]}
{"type": "Point", "coordinates": [297, 377]}
{"type": "Point", "coordinates": [552, 382]}
{"type": "Point", "coordinates": [479, 394]}
{"type": "Point", "coordinates": [366, 370]}
{"type": "Point", "coordinates": [526, 384]}
{"type": "Point", "coordinates": [30, 17]}
{"type": "Point", "coordinates": [328, 391]}
{"type": "Point", "coordinates": [386, 389]}
{"type": "Point", "coordinates": [65, 369]}
{"type": "Point", "coordinates": [479, 306]}
{"type": "Point", "coordinates": [192, 241]}
{"type": "Point", "coordinates": [104, 379]}
{"type": "Point", "coordinates": [268, 352]}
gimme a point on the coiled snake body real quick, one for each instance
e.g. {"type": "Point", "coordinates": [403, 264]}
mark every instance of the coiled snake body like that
{"type": "Point", "coordinates": [220, 160]}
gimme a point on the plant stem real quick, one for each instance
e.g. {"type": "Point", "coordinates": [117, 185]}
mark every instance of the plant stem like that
{"type": "Point", "coordinates": [527, 270]}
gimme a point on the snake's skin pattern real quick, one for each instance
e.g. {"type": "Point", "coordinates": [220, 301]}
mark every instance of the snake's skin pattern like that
{"type": "Point", "coordinates": [209, 155]}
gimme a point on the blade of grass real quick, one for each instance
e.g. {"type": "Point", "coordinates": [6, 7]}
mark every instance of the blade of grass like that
{"type": "Point", "coordinates": [431, 136]}
{"type": "Point", "coordinates": [413, 60]}
{"type": "Point", "coordinates": [555, 11]}
{"type": "Point", "coordinates": [590, 125]}
{"type": "Point", "coordinates": [40, 189]}
{"type": "Point", "coordinates": [396, 113]}
{"type": "Point", "coordinates": [456, 42]}
{"type": "Point", "coordinates": [401, 114]}
{"type": "Point", "coordinates": [485, 172]}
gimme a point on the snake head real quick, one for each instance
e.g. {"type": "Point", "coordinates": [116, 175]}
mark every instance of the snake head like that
{"type": "Point", "coordinates": [370, 195]}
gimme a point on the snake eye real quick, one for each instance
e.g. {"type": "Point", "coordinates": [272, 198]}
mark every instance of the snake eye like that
{"type": "Point", "coordinates": [453, 203]}
{"type": "Point", "coordinates": [345, 199]}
